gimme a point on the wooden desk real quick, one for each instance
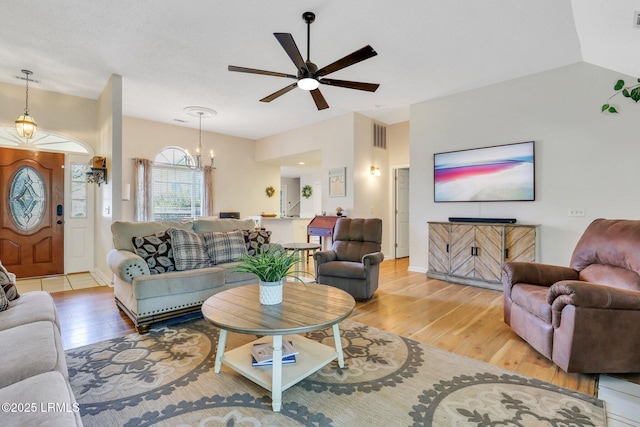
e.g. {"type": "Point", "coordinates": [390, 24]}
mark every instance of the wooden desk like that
{"type": "Point", "coordinates": [302, 310]}
{"type": "Point", "coordinates": [322, 226]}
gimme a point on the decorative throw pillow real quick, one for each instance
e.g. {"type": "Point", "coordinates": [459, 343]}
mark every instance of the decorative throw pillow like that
{"type": "Point", "coordinates": [189, 249]}
{"type": "Point", "coordinates": [7, 284]}
{"type": "Point", "coordinates": [225, 246]}
{"type": "Point", "coordinates": [4, 301]}
{"type": "Point", "coordinates": [256, 239]}
{"type": "Point", "coordinates": [156, 251]}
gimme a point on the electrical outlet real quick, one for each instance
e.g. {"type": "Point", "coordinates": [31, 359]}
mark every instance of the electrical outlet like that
{"type": "Point", "coordinates": [576, 212]}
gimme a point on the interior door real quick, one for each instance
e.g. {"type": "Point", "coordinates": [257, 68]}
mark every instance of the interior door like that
{"type": "Point", "coordinates": [402, 213]}
{"type": "Point", "coordinates": [32, 212]}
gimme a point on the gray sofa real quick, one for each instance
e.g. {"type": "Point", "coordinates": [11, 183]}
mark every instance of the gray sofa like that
{"type": "Point", "coordinates": [34, 381]}
{"type": "Point", "coordinates": [148, 298]}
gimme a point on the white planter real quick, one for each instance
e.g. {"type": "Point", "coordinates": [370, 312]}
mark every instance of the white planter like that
{"type": "Point", "coordinates": [271, 292]}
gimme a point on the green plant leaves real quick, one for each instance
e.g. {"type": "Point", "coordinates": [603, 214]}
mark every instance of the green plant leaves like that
{"type": "Point", "coordinates": [269, 265]}
{"type": "Point", "coordinates": [632, 92]}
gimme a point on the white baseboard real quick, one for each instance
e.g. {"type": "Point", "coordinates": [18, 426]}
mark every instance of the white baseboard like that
{"type": "Point", "coordinates": [417, 269]}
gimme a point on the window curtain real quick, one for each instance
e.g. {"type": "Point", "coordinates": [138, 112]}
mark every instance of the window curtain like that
{"type": "Point", "coordinates": [207, 191]}
{"type": "Point", "coordinates": [143, 176]}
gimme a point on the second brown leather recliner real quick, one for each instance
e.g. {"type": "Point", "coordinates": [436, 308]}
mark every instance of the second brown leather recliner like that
{"type": "Point", "coordinates": [585, 317]}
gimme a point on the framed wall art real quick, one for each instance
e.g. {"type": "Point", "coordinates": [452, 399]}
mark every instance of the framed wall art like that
{"type": "Point", "coordinates": [337, 182]}
{"type": "Point", "coordinates": [489, 174]}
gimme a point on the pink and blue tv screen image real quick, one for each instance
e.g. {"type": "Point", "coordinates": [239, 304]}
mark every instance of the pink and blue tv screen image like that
{"type": "Point", "coordinates": [489, 174]}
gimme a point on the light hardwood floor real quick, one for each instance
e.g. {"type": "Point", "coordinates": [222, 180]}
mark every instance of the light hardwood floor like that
{"type": "Point", "coordinates": [462, 319]}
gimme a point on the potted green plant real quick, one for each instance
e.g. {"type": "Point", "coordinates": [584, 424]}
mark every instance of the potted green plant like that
{"type": "Point", "coordinates": [271, 266]}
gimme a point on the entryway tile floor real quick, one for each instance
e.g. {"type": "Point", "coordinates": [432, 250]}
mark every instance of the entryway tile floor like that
{"type": "Point", "coordinates": [67, 282]}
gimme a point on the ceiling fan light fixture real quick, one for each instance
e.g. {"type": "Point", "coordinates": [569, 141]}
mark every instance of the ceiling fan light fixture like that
{"type": "Point", "coordinates": [308, 83]}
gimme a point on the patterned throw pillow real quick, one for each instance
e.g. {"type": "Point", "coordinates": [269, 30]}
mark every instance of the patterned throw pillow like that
{"type": "Point", "coordinates": [225, 246]}
{"type": "Point", "coordinates": [189, 249]}
{"type": "Point", "coordinates": [4, 301]}
{"type": "Point", "coordinates": [8, 284]}
{"type": "Point", "coordinates": [256, 239]}
{"type": "Point", "coordinates": [156, 251]}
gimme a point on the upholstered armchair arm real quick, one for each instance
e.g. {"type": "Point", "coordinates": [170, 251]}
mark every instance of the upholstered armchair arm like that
{"type": "Point", "coordinates": [535, 273]}
{"type": "Point", "coordinates": [126, 265]}
{"type": "Point", "coordinates": [373, 258]}
{"type": "Point", "coordinates": [324, 256]}
{"type": "Point", "coordinates": [591, 295]}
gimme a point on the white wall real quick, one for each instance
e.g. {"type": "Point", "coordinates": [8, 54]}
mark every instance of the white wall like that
{"type": "Point", "coordinates": [398, 144]}
{"type": "Point", "coordinates": [398, 153]}
{"type": "Point", "coordinates": [334, 137]}
{"type": "Point", "coordinates": [584, 159]}
{"type": "Point", "coordinates": [239, 180]}
{"type": "Point", "coordinates": [345, 141]}
{"type": "Point", "coordinates": [64, 115]}
{"type": "Point", "coordinates": [307, 205]}
{"type": "Point", "coordinates": [108, 195]}
{"type": "Point", "coordinates": [371, 192]}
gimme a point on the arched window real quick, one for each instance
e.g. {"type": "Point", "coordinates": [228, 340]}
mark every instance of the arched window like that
{"type": "Point", "coordinates": [177, 188]}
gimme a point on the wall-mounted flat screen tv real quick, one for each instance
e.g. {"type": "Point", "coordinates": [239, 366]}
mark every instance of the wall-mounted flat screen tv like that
{"type": "Point", "coordinates": [490, 174]}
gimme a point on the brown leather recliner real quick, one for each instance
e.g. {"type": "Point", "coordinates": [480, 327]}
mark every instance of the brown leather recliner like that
{"type": "Point", "coordinates": [353, 263]}
{"type": "Point", "coordinates": [585, 318]}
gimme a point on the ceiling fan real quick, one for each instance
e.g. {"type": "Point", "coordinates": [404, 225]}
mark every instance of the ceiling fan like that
{"type": "Point", "coordinates": [309, 77]}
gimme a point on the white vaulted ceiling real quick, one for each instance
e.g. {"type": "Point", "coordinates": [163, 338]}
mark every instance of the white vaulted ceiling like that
{"type": "Point", "coordinates": [175, 54]}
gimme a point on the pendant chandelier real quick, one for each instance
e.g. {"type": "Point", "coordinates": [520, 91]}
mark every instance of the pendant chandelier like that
{"type": "Point", "coordinates": [199, 112]}
{"type": "Point", "coordinates": [25, 125]}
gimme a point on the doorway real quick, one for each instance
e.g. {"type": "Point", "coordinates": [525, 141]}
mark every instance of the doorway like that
{"type": "Point", "coordinates": [74, 195]}
{"type": "Point", "coordinates": [32, 218]}
{"type": "Point", "coordinates": [401, 212]}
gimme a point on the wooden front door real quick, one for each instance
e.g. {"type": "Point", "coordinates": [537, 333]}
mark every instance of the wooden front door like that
{"type": "Point", "coordinates": [31, 212]}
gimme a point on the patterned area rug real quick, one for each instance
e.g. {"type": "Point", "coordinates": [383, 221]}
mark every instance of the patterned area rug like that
{"type": "Point", "coordinates": [166, 378]}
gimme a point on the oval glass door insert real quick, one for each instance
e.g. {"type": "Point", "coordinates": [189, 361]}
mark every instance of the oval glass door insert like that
{"type": "Point", "coordinates": [27, 199]}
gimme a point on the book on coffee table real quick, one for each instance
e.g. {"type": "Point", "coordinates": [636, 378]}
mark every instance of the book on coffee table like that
{"type": "Point", "coordinates": [285, 361]}
{"type": "Point", "coordinates": [262, 353]}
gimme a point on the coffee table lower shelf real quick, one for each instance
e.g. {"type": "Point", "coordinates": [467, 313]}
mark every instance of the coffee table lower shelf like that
{"type": "Point", "coordinates": [311, 357]}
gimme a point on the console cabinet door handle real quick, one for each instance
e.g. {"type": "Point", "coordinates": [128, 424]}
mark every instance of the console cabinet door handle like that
{"type": "Point", "coordinates": [447, 248]}
{"type": "Point", "coordinates": [506, 253]}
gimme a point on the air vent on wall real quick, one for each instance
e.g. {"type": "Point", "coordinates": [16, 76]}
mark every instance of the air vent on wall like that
{"type": "Point", "coordinates": [379, 136]}
{"type": "Point", "coordinates": [636, 19]}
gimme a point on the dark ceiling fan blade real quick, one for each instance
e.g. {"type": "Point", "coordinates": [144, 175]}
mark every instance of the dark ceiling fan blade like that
{"type": "Point", "coordinates": [289, 45]}
{"type": "Point", "coordinates": [279, 93]}
{"type": "Point", "coordinates": [321, 103]}
{"type": "Point", "coordinates": [263, 72]}
{"type": "Point", "coordinates": [369, 87]}
{"type": "Point", "coordinates": [353, 58]}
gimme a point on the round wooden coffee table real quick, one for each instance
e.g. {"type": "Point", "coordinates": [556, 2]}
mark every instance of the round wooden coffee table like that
{"type": "Point", "coordinates": [303, 309]}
